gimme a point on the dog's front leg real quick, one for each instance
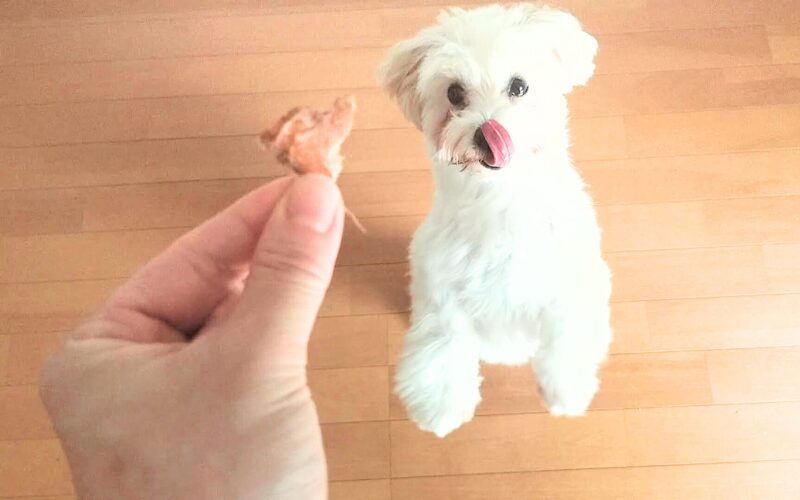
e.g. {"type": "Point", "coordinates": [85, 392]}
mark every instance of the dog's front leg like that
{"type": "Point", "coordinates": [438, 375]}
{"type": "Point", "coordinates": [576, 339]}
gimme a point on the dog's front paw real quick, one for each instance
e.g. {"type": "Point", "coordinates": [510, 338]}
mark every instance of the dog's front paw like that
{"type": "Point", "coordinates": [442, 413]}
{"type": "Point", "coordinates": [570, 399]}
{"type": "Point", "coordinates": [435, 405]}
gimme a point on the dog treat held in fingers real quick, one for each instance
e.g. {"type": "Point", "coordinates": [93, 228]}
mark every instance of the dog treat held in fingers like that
{"type": "Point", "coordinates": [308, 140]}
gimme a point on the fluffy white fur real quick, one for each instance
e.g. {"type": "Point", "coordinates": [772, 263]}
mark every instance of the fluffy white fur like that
{"type": "Point", "coordinates": [507, 266]}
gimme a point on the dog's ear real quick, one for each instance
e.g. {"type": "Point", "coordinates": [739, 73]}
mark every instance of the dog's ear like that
{"type": "Point", "coordinates": [573, 48]}
{"type": "Point", "coordinates": [399, 74]}
{"type": "Point", "coordinates": [576, 53]}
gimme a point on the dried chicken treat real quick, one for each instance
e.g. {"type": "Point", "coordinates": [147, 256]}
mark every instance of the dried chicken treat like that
{"type": "Point", "coordinates": [309, 140]}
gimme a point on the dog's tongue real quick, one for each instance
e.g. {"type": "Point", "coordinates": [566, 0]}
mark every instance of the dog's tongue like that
{"type": "Point", "coordinates": [499, 142]}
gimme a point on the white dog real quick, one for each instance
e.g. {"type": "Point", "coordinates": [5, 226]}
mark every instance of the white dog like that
{"type": "Point", "coordinates": [507, 267]}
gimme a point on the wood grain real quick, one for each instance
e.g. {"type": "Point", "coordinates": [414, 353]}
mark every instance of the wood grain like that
{"type": "Point", "coordinates": [681, 178]}
{"type": "Point", "coordinates": [657, 436]}
{"type": "Point", "coordinates": [350, 394]}
{"type": "Point", "coordinates": [701, 482]}
{"type": "Point", "coordinates": [784, 41]}
{"type": "Point", "coordinates": [703, 434]}
{"type": "Point", "coordinates": [770, 127]}
{"type": "Point", "coordinates": [180, 117]}
{"type": "Point", "coordinates": [710, 323]}
{"type": "Point", "coordinates": [22, 415]}
{"type": "Point", "coordinates": [124, 124]}
{"type": "Point", "coordinates": [381, 288]}
{"type": "Point", "coordinates": [33, 467]}
{"type": "Point", "coordinates": [87, 255]}
{"type": "Point", "coordinates": [371, 192]}
{"type": "Point", "coordinates": [344, 68]}
{"type": "Point", "coordinates": [248, 114]}
{"type": "Point", "coordinates": [49, 497]}
{"type": "Point", "coordinates": [207, 36]}
{"type": "Point", "coordinates": [661, 380]}
{"type": "Point", "coordinates": [27, 353]}
{"type": "Point", "coordinates": [539, 442]}
{"type": "Point", "coordinates": [349, 341]}
{"type": "Point", "coordinates": [129, 39]}
{"type": "Point", "coordinates": [90, 255]}
{"type": "Point", "coordinates": [654, 380]}
{"type": "Point", "coordinates": [49, 307]}
{"type": "Point", "coordinates": [684, 324]}
{"type": "Point", "coordinates": [5, 358]}
{"type": "Point", "coordinates": [30, 212]}
{"type": "Point", "coordinates": [234, 74]}
{"type": "Point", "coordinates": [736, 375]}
{"type": "Point", "coordinates": [686, 90]}
{"type": "Point", "coordinates": [357, 450]}
{"type": "Point", "coordinates": [683, 49]}
{"type": "Point", "coordinates": [669, 14]}
{"type": "Point", "coordinates": [92, 10]}
{"type": "Point", "coordinates": [378, 489]}
{"type": "Point", "coordinates": [630, 381]}
{"type": "Point", "coordinates": [661, 274]}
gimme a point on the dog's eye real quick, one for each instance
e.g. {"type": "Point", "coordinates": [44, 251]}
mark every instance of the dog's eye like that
{"type": "Point", "coordinates": [456, 95]}
{"type": "Point", "coordinates": [517, 88]}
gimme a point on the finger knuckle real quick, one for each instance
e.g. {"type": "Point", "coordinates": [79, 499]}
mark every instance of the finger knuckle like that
{"type": "Point", "coordinates": [291, 265]}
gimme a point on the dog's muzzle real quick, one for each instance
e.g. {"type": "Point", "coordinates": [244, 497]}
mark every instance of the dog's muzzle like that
{"type": "Point", "coordinates": [494, 143]}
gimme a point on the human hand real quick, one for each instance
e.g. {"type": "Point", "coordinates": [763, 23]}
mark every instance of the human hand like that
{"type": "Point", "coordinates": [190, 381]}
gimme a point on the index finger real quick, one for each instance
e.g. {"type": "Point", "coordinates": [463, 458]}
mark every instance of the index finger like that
{"type": "Point", "coordinates": [185, 283]}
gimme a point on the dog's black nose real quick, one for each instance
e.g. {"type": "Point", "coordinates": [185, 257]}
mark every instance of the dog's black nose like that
{"type": "Point", "coordinates": [480, 142]}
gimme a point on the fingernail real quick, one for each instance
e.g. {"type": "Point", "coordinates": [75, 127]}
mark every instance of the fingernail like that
{"type": "Point", "coordinates": [312, 202]}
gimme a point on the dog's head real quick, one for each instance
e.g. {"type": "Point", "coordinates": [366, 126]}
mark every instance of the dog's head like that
{"type": "Point", "coordinates": [487, 84]}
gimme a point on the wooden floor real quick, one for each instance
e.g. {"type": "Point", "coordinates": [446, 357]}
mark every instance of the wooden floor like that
{"type": "Point", "coordinates": [122, 124]}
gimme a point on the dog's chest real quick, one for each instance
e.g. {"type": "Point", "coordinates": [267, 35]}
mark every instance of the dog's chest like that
{"type": "Point", "coordinates": [492, 262]}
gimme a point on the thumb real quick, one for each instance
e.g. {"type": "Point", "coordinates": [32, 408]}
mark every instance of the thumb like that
{"type": "Point", "coordinates": [290, 272]}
